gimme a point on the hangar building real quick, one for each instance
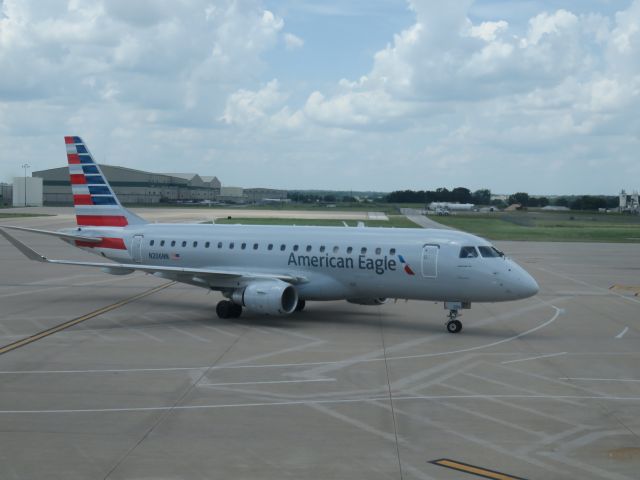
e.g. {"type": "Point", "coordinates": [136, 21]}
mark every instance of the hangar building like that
{"type": "Point", "coordinates": [134, 186]}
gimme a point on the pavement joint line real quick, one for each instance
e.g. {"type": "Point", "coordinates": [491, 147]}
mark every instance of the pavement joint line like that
{"type": "Point", "coordinates": [63, 326]}
{"type": "Point", "coordinates": [473, 470]}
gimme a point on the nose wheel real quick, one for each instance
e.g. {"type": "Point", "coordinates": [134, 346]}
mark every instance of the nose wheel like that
{"type": "Point", "coordinates": [453, 324]}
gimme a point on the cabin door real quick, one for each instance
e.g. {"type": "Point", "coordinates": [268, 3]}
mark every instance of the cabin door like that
{"type": "Point", "coordinates": [136, 248]}
{"type": "Point", "coordinates": [430, 261]}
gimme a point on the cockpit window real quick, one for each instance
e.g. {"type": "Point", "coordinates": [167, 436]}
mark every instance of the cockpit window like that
{"type": "Point", "coordinates": [489, 252]}
{"type": "Point", "coordinates": [468, 252]}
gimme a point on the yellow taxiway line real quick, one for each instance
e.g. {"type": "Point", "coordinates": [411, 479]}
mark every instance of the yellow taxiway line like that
{"type": "Point", "coordinates": [76, 321]}
{"type": "Point", "coordinates": [474, 470]}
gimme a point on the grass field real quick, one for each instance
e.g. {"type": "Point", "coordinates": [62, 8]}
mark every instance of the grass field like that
{"type": "Point", "coordinates": [553, 227]}
{"type": "Point", "coordinates": [20, 215]}
{"type": "Point", "coordinates": [395, 221]}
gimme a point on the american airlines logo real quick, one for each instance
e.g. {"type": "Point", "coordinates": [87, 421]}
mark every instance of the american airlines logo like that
{"type": "Point", "coordinates": [378, 265]}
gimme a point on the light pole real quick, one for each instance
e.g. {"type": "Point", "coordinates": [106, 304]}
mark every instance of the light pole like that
{"type": "Point", "coordinates": [25, 166]}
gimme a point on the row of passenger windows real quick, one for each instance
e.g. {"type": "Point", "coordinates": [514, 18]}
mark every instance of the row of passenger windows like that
{"type": "Point", "coordinates": [270, 246]}
{"type": "Point", "coordinates": [487, 252]}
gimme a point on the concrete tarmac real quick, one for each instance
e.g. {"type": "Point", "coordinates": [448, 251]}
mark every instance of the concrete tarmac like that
{"type": "Point", "coordinates": [161, 388]}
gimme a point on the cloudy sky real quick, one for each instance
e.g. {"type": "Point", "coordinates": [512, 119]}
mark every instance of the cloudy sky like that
{"type": "Point", "coordinates": [523, 95]}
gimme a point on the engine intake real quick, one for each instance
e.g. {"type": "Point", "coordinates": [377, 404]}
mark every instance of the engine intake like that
{"type": "Point", "coordinates": [269, 297]}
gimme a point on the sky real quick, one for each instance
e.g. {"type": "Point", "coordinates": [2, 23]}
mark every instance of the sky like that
{"type": "Point", "coordinates": [538, 96]}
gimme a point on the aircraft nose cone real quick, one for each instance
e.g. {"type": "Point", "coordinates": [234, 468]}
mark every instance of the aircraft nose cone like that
{"type": "Point", "coordinates": [527, 287]}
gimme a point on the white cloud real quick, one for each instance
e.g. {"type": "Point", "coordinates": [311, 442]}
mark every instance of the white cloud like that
{"type": "Point", "coordinates": [246, 106]}
{"type": "Point", "coordinates": [292, 41]}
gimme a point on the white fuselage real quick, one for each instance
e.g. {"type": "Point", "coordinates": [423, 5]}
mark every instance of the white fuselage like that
{"type": "Point", "coordinates": [334, 262]}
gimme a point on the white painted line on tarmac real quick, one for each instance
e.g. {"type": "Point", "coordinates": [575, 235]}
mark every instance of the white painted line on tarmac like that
{"type": "Point", "coordinates": [601, 379]}
{"type": "Point", "coordinates": [319, 402]}
{"type": "Point", "coordinates": [621, 334]}
{"type": "Point", "coordinates": [534, 358]}
{"type": "Point", "coordinates": [266, 382]}
{"type": "Point", "coordinates": [108, 370]}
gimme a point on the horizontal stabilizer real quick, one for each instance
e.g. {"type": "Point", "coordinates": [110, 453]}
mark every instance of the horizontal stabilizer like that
{"type": "Point", "coordinates": [63, 236]}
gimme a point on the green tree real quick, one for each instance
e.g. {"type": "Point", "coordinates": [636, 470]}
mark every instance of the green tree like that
{"type": "Point", "coordinates": [521, 197]}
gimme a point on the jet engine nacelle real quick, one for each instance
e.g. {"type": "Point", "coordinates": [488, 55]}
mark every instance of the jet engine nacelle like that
{"type": "Point", "coordinates": [269, 297]}
{"type": "Point", "coordinates": [368, 301]}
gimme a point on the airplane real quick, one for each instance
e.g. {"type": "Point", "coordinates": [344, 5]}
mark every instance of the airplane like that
{"type": "Point", "coordinates": [275, 270]}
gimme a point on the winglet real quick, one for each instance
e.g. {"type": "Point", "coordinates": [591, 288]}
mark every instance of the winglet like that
{"type": "Point", "coordinates": [26, 251]}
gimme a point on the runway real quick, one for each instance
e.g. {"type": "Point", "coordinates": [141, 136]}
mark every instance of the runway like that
{"type": "Point", "coordinates": [159, 387]}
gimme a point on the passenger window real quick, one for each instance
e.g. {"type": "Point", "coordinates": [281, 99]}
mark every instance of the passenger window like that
{"type": "Point", "coordinates": [392, 251]}
{"type": "Point", "coordinates": [231, 245]}
{"type": "Point", "coordinates": [336, 249]}
{"type": "Point", "coordinates": [184, 243]}
{"type": "Point", "coordinates": [295, 248]}
{"type": "Point", "coordinates": [468, 252]}
{"type": "Point", "coordinates": [378, 251]}
{"type": "Point", "coordinates": [151, 242]}
{"type": "Point", "coordinates": [489, 252]}
{"type": "Point", "coordinates": [255, 246]}
{"type": "Point", "coordinates": [308, 248]}
{"type": "Point", "coordinates": [282, 247]}
{"type": "Point", "coordinates": [270, 247]}
{"type": "Point", "coordinates": [322, 249]}
{"type": "Point", "coordinates": [243, 246]}
{"type": "Point", "coordinates": [349, 249]}
{"type": "Point", "coordinates": [173, 243]}
{"type": "Point", "coordinates": [219, 244]}
{"type": "Point", "coordinates": [363, 250]}
{"type": "Point", "coordinates": [162, 243]}
{"type": "Point", "coordinates": [207, 244]}
{"type": "Point", "coordinates": [195, 244]}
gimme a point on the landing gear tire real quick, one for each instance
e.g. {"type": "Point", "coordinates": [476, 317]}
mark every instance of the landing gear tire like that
{"type": "Point", "coordinates": [454, 326]}
{"type": "Point", "coordinates": [228, 309]}
{"type": "Point", "coordinates": [300, 306]}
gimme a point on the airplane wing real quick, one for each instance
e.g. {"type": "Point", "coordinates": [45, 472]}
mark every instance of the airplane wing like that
{"type": "Point", "coordinates": [210, 276]}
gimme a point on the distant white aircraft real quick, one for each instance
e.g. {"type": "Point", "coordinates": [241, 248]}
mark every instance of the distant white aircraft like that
{"type": "Point", "coordinates": [274, 270]}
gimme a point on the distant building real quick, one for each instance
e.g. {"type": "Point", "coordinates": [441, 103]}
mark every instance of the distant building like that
{"type": "Point", "coordinates": [629, 203]}
{"type": "Point", "coordinates": [6, 194]}
{"type": "Point", "coordinates": [265, 195]}
{"type": "Point", "coordinates": [134, 186]}
{"type": "Point", "coordinates": [27, 192]}
{"type": "Point", "coordinates": [232, 195]}
{"type": "Point", "coordinates": [555, 208]}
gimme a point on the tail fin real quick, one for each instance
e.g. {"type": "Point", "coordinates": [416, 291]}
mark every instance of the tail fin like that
{"type": "Point", "coordinates": [94, 200]}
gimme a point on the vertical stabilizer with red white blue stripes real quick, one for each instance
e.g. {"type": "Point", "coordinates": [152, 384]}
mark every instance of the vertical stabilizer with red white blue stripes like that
{"type": "Point", "coordinates": [94, 200]}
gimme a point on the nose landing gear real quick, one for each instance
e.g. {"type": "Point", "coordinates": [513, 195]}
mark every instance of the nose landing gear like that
{"type": "Point", "coordinates": [453, 324]}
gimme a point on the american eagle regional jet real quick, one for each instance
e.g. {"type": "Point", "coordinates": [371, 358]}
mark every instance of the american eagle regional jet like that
{"type": "Point", "coordinates": [274, 270]}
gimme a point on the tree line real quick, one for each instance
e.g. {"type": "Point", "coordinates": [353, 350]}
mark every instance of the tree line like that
{"type": "Point", "coordinates": [483, 197]}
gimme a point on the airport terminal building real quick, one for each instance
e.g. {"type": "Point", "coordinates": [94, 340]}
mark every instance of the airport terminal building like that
{"type": "Point", "coordinates": [138, 187]}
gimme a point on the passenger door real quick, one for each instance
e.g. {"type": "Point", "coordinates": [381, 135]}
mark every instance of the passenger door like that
{"type": "Point", "coordinates": [136, 248]}
{"type": "Point", "coordinates": [430, 261]}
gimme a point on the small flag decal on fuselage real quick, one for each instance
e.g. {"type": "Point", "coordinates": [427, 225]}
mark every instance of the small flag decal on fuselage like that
{"type": "Point", "coordinates": [406, 266]}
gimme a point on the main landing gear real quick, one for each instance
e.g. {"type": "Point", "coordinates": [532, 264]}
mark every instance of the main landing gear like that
{"type": "Point", "coordinates": [228, 309]}
{"type": "Point", "coordinates": [453, 324]}
{"type": "Point", "coordinates": [300, 306]}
